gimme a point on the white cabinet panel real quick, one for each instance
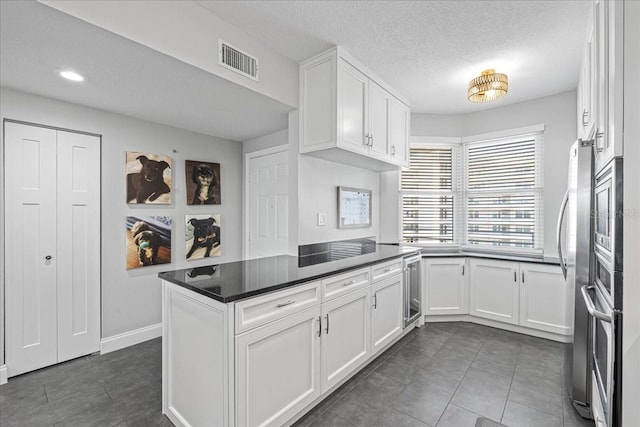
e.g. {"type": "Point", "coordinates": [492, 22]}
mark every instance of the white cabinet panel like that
{"type": "Point", "coordinates": [345, 339]}
{"type": "Point", "coordinates": [399, 135]}
{"type": "Point", "coordinates": [379, 119]}
{"type": "Point", "coordinates": [254, 312]}
{"type": "Point", "coordinates": [352, 103]}
{"type": "Point", "coordinates": [446, 286]}
{"type": "Point", "coordinates": [348, 115]}
{"type": "Point", "coordinates": [335, 286]}
{"type": "Point", "coordinates": [278, 369]}
{"type": "Point", "coordinates": [545, 299]}
{"type": "Point", "coordinates": [386, 314]}
{"type": "Point", "coordinates": [494, 290]}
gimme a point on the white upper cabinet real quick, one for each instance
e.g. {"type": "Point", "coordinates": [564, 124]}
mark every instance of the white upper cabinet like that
{"type": "Point", "coordinates": [348, 115]}
{"type": "Point", "coordinates": [600, 88]}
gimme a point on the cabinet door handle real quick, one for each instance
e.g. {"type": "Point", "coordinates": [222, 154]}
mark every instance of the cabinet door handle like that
{"type": "Point", "coordinates": [515, 276]}
{"type": "Point", "coordinates": [319, 326]}
{"type": "Point", "coordinates": [375, 300]}
{"type": "Point", "coordinates": [327, 326]}
{"type": "Point", "coordinates": [366, 139]}
{"type": "Point", "coordinates": [388, 269]}
{"type": "Point", "coordinates": [585, 114]}
{"type": "Point", "coordinates": [371, 140]}
{"type": "Point", "coordinates": [463, 270]}
{"type": "Point", "coordinates": [349, 283]}
{"type": "Point", "coordinates": [599, 147]}
{"type": "Point", "coordinates": [523, 277]}
{"type": "Point", "coordinates": [284, 304]}
{"type": "Point", "coordinates": [393, 150]}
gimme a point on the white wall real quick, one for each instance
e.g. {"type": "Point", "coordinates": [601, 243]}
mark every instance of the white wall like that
{"type": "Point", "coordinates": [556, 112]}
{"type": "Point", "coordinates": [318, 181]}
{"type": "Point", "coordinates": [436, 124]}
{"type": "Point", "coordinates": [267, 141]}
{"type": "Point", "coordinates": [631, 303]}
{"type": "Point", "coordinates": [189, 32]}
{"type": "Point", "coordinates": [131, 299]}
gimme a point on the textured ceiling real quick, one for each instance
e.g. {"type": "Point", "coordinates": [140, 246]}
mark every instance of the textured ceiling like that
{"type": "Point", "coordinates": [429, 50]}
{"type": "Point", "coordinates": [125, 77]}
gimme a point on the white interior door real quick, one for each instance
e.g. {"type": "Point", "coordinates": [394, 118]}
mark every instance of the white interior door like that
{"type": "Point", "coordinates": [268, 205]}
{"type": "Point", "coordinates": [52, 247]}
{"type": "Point", "coordinates": [78, 245]}
{"type": "Point", "coordinates": [30, 247]}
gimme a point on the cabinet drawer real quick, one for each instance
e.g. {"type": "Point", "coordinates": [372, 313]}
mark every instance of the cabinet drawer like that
{"type": "Point", "coordinates": [342, 284]}
{"type": "Point", "coordinates": [387, 269]}
{"type": "Point", "coordinates": [257, 311]}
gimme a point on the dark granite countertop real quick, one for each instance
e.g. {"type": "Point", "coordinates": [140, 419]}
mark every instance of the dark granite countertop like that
{"type": "Point", "coordinates": [242, 279]}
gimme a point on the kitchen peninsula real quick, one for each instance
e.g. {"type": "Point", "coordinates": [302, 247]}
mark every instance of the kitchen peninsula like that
{"type": "Point", "coordinates": [259, 342]}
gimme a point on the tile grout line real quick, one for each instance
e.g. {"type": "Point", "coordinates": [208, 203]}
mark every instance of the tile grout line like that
{"type": "Point", "coordinates": [459, 384]}
{"type": "Point", "coordinates": [510, 385]}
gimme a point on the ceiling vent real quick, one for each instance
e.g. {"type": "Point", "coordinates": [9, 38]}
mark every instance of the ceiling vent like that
{"type": "Point", "coordinates": [238, 61]}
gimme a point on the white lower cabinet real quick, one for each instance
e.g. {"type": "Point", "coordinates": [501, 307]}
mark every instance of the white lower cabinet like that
{"type": "Point", "coordinates": [525, 294]}
{"type": "Point", "coordinates": [494, 290]}
{"type": "Point", "coordinates": [278, 369]}
{"type": "Point", "coordinates": [386, 312]}
{"type": "Point", "coordinates": [262, 360]}
{"type": "Point", "coordinates": [545, 300]}
{"type": "Point", "coordinates": [445, 286]}
{"type": "Point", "coordinates": [345, 339]}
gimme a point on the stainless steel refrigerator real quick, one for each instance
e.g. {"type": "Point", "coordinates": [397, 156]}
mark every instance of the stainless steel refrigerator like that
{"type": "Point", "coordinates": [592, 263]}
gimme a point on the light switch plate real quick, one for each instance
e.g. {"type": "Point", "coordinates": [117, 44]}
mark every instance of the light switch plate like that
{"type": "Point", "coordinates": [322, 218]}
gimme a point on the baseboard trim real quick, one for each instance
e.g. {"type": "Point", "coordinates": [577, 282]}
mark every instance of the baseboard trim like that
{"type": "Point", "coordinates": [500, 325]}
{"type": "Point", "coordinates": [4, 375]}
{"type": "Point", "coordinates": [127, 339]}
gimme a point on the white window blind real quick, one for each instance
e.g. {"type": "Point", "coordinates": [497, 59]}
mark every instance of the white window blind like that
{"type": "Point", "coordinates": [482, 194]}
{"type": "Point", "coordinates": [503, 193]}
{"type": "Point", "coordinates": [428, 196]}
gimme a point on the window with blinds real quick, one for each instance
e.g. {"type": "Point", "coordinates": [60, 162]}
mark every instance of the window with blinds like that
{"type": "Point", "coordinates": [503, 193]}
{"type": "Point", "coordinates": [428, 196]}
{"type": "Point", "coordinates": [490, 198]}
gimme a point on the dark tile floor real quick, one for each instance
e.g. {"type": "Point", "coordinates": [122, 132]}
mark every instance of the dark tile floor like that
{"type": "Point", "coordinates": [444, 374]}
{"type": "Point", "coordinates": [449, 375]}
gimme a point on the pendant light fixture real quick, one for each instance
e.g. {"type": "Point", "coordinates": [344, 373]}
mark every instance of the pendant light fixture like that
{"type": "Point", "coordinates": [489, 86]}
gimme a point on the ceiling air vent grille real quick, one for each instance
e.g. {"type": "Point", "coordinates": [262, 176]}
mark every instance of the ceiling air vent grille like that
{"type": "Point", "coordinates": [236, 60]}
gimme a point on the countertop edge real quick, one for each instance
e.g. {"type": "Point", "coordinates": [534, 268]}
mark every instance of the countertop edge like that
{"type": "Point", "coordinates": [498, 257]}
{"type": "Point", "coordinates": [249, 294]}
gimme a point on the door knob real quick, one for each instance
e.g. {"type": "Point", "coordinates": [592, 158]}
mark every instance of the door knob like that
{"type": "Point", "coordinates": [48, 257]}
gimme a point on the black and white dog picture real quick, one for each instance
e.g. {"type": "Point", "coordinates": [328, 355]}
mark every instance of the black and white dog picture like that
{"type": "Point", "coordinates": [202, 235]}
{"type": "Point", "coordinates": [148, 241]}
{"type": "Point", "coordinates": [203, 183]}
{"type": "Point", "coordinates": [148, 178]}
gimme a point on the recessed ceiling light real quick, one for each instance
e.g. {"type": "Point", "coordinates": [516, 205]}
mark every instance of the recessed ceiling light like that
{"type": "Point", "coordinates": [72, 75]}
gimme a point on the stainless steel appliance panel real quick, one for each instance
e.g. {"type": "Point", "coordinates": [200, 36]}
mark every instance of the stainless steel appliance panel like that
{"type": "Point", "coordinates": [412, 298]}
{"type": "Point", "coordinates": [579, 248]}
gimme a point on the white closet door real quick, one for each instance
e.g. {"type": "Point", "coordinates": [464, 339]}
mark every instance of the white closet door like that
{"type": "Point", "coordinates": [78, 245]}
{"type": "Point", "coordinates": [269, 205]}
{"type": "Point", "coordinates": [30, 218]}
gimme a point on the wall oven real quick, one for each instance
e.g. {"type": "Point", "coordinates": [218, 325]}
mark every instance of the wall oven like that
{"type": "Point", "coordinates": [607, 213]}
{"type": "Point", "coordinates": [412, 298]}
{"type": "Point", "coordinates": [606, 368]}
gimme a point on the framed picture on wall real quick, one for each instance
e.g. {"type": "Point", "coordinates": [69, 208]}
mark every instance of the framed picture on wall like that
{"type": "Point", "coordinates": [202, 236]}
{"type": "Point", "coordinates": [148, 241]}
{"type": "Point", "coordinates": [203, 183]}
{"type": "Point", "coordinates": [354, 207]}
{"type": "Point", "coordinates": [148, 178]}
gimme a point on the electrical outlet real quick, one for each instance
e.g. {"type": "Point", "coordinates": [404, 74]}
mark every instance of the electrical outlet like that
{"type": "Point", "coordinates": [322, 218]}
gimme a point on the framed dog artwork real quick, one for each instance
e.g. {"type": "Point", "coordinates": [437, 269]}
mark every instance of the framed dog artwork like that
{"type": "Point", "coordinates": [202, 235]}
{"type": "Point", "coordinates": [148, 241]}
{"type": "Point", "coordinates": [203, 183]}
{"type": "Point", "coordinates": [148, 178]}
